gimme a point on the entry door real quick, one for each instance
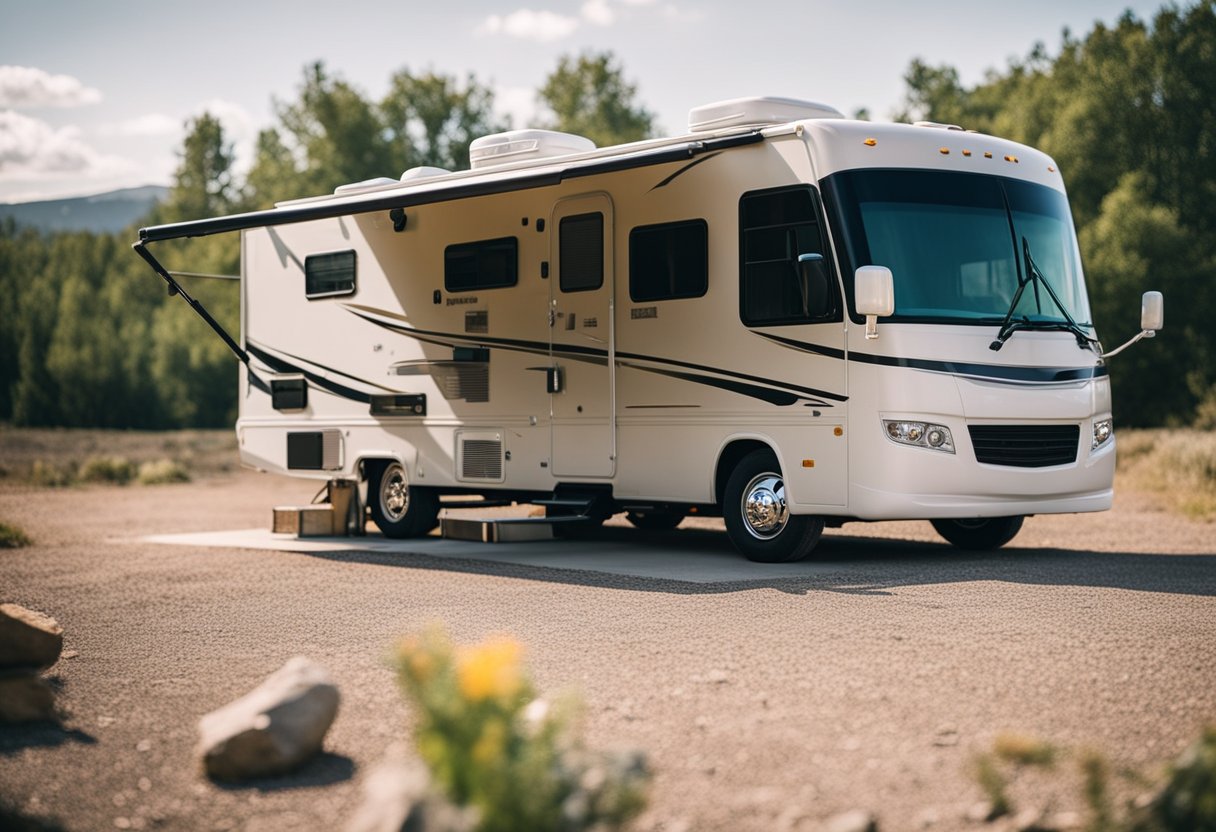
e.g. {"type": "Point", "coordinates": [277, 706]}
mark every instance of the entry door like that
{"type": "Point", "coordinates": [581, 338]}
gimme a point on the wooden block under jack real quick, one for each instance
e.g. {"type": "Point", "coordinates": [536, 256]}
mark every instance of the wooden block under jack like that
{"type": "Point", "coordinates": [305, 521]}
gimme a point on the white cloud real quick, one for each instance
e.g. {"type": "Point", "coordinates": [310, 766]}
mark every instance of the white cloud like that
{"type": "Point", "coordinates": [153, 124]}
{"type": "Point", "coordinates": [31, 149]}
{"type": "Point", "coordinates": [519, 104]}
{"type": "Point", "coordinates": [27, 86]}
{"type": "Point", "coordinates": [531, 25]}
{"type": "Point", "coordinates": [598, 12]}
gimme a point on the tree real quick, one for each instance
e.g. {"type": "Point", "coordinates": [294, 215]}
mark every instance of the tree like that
{"type": "Point", "coordinates": [433, 119]}
{"type": "Point", "coordinates": [337, 135]}
{"type": "Point", "coordinates": [589, 96]}
{"type": "Point", "coordinates": [202, 184]}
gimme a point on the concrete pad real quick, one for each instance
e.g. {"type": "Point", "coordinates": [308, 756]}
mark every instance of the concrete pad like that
{"type": "Point", "coordinates": [640, 557]}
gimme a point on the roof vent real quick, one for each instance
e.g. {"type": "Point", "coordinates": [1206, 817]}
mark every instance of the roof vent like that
{"type": "Point", "coordinates": [524, 145]}
{"type": "Point", "coordinates": [422, 172]}
{"type": "Point", "coordinates": [937, 125]}
{"type": "Point", "coordinates": [365, 185]}
{"type": "Point", "coordinates": [741, 112]}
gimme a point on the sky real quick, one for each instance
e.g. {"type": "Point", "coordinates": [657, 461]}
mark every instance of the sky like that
{"type": "Point", "coordinates": [95, 96]}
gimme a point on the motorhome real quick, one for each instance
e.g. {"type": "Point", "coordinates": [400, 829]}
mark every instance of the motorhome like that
{"type": "Point", "coordinates": [783, 317]}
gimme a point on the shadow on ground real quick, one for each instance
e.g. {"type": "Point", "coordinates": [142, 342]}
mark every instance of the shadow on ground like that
{"type": "Point", "coordinates": [841, 563]}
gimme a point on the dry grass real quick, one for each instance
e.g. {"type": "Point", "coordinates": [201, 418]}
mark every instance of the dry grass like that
{"type": "Point", "coordinates": [55, 458]}
{"type": "Point", "coordinates": [1176, 466]}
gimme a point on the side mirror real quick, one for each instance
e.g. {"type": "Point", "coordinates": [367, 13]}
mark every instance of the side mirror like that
{"type": "Point", "coordinates": [1152, 318]}
{"type": "Point", "coordinates": [1152, 313]}
{"type": "Point", "coordinates": [874, 290]}
{"type": "Point", "coordinates": [816, 285]}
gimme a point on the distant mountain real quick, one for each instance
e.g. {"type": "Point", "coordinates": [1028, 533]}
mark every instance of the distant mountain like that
{"type": "Point", "coordinates": [105, 213]}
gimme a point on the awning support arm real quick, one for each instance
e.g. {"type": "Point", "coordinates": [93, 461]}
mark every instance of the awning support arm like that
{"type": "Point", "coordinates": [176, 289]}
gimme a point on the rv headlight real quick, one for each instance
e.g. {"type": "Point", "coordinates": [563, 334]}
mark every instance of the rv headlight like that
{"type": "Point", "coordinates": [920, 434]}
{"type": "Point", "coordinates": [1104, 429]}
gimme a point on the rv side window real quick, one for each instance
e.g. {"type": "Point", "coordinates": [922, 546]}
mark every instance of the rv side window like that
{"type": "Point", "coordinates": [669, 261]}
{"type": "Point", "coordinates": [487, 264]}
{"type": "Point", "coordinates": [581, 252]}
{"type": "Point", "coordinates": [775, 227]}
{"type": "Point", "coordinates": [328, 275]}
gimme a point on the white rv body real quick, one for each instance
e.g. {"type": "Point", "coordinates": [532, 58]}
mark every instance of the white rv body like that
{"type": "Point", "coordinates": [528, 389]}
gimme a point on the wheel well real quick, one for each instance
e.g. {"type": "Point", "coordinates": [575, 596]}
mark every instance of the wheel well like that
{"type": "Point", "coordinates": [368, 464]}
{"type": "Point", "coordinates": [729, 458]}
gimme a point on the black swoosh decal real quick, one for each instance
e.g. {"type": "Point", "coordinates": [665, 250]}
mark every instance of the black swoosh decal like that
{"type": "Point", "coordinates": [992, 372]}
{"type": "Point", "coordinates": [281, 366]}
{"type": "Point", "coordinates": [682, 170]}
{"type": "Point", "coordinates": [738, 382]}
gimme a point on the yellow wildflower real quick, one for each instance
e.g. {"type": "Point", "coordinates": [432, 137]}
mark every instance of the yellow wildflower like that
{"type": "Point", "coordinates": [490, 670]}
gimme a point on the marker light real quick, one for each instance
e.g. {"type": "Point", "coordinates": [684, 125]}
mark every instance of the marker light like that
{"type": "Point", "coordinates": [1104, 429]}
{"type": "Point", "coordinates": [870, 142]}
{"type": "Point", "coordinates": [920, 435]}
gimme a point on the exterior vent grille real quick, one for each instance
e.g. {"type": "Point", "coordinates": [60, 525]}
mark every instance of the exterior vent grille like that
{"type": "Point", "coordinates": [481, 457]}
{"type": "Point", "coordinates": [1025, 446]}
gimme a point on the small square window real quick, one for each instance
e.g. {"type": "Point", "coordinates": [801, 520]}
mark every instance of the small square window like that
{"type": "Point", "coordinates": [486, 264]}
{"type": "Point", "coordinates": [329, 275]}
{"type": "Point", "coordinates": [669, 261]}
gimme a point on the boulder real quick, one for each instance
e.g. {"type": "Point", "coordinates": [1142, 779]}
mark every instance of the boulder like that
{"type": "Point", "coordinates": [26, 697]}
{"type": "Point", "coordinates": [274, 728]}
{"type": "Point", "coordinates": [28, 639]}
{"type": "Point", "coordinates": [398, 797]}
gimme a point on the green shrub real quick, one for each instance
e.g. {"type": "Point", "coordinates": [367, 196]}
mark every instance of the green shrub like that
{"type": "Point", "coordinates": [491, 745]}
{"type": "Point", "coordinates": [163, 471]}
{"type": "Point", "coordinates": [1184, 800]}
{"type": "Point", "coordinates": [49, 475]}
{"type": "Point", "coordinates": [107, 469]}
{"type": "Point", "coordinates": [12, 537]}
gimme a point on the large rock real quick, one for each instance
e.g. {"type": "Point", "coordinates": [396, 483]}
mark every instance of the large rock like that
{"type": "Point", "coordinates": [26, 697]}
{"type": "Point", "coordinates": [272, 729]}
{"type": "Point", "coordinates": [28, 639]}
{"type": "Point", "coordinates": [398, 797]}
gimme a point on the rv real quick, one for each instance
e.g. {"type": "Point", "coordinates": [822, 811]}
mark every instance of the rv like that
{"type": "Point", "coordinates": [784, 317]}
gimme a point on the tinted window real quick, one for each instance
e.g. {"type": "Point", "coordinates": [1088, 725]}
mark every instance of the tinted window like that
{"type": "Point", "coordinates": [581, 241]}
{"type": "Point", "coordinates": [488, 264]}
{"type": "Point", "coordinates": [775, 227]}
{"type": "Point", "coordinates": [326, 275]}
{"type": "Point", "coordinates": [669, 261]}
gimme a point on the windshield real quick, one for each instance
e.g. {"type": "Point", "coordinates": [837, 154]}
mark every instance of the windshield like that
{"type": "Point", "coordinates": [953, 243]}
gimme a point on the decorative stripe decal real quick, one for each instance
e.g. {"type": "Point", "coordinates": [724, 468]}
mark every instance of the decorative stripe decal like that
{"type": "Point", "coordinates": [787, 394]}
{"type": "Point", "coordinates": [682, 170]}
{"type": "Point", "coordinates": [989, 372]}
{"type": "Point", "coordinates": [281, 366]}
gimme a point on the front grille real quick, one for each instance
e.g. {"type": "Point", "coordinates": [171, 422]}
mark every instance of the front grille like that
{"type": "Point", "coordinates": [1025, 446]}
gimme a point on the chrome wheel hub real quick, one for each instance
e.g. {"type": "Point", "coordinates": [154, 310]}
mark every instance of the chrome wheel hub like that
{"type": "Point", "coordinates": [394, 493]}
{"type": "Point", "coordinates": [764, 510]}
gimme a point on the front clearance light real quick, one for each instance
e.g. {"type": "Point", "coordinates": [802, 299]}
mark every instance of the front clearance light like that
{"type": "Point", "coordinates": [920, 435]}
{"type": "Point", "coordinates": [1104, 429]}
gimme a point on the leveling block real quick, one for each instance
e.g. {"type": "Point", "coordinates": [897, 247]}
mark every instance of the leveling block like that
{"type": "Point", "coordinates": [339, 515]}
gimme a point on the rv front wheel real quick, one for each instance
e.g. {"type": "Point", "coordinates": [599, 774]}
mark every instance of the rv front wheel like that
{"type": "Point", "coordinates": [758, 520]}
{"type": "Point", "coordinates": [979, 532]}
{"type": "Point", "coordinates": [398, 508]}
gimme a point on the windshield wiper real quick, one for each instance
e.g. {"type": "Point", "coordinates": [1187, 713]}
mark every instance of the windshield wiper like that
{"type": "Point", "coordinates": [1010, 326]}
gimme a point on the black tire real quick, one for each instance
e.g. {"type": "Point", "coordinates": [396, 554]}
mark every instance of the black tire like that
{"type": "Point", "coordinates": [655, 521]}
{"type": "Point", "coordinates": [979, 532]}
{"type": "Point", "coordinates": [399, 509]}
{"type": "Point", "coordinates": [757, 519]}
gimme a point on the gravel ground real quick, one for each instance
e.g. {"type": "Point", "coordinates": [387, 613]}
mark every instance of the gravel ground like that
{"type": "Point", "coordinates": [763, 705]}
